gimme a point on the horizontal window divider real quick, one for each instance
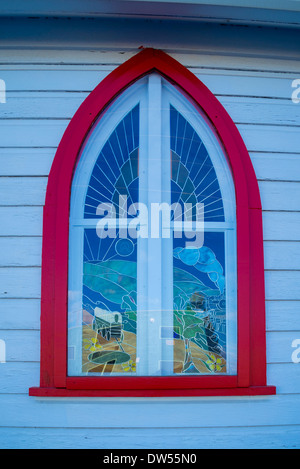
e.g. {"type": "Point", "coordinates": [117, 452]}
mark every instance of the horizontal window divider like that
{"type": "Point", "coordinates": [115, 222]}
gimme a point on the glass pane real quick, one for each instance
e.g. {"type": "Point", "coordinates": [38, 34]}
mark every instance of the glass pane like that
{"type": "Point", "coordinates": [109, 304]}
{"type": "Point", "coordinates": [148, 288]}
{"type": "Point", "coordinates": [115, 173]}
{"type": "Point", "coordinates": [105, 329]}
{"type": "Point", "coordinates": [200, 306]}
{"type": "Point", "coordinates": [194, 178]}
{"type": "Point", "coordinates": [199, 291]}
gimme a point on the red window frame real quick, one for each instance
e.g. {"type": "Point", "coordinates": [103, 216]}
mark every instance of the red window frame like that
{"type": "Point", "coordinates": [251, 368]}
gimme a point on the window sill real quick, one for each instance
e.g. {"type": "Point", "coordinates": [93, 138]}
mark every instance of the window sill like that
{"type": "Point", "coordinates": [62, 392]}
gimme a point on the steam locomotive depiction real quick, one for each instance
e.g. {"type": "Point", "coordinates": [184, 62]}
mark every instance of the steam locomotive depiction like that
{"type": "Point", "coordinates": [108, 324]}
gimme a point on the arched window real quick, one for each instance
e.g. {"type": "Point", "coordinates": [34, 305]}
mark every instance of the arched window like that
{"type": "Point", "coordinates": [153, 220]}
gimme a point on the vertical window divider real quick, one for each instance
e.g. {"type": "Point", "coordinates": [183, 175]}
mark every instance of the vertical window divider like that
{"type": "Point", "coordinates": [154, 296]}
{"type": "Point", "coordinates": [154, 258]}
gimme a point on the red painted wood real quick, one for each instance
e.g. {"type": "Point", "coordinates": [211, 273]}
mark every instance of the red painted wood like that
{"type": "Point", "coordinates": [150, 382]}
{"type": "Point", "coordinates": [251, 297]}
{"type": "Point", "coordinates": [257, 295]}
{"type": "Point", "coordinates": [62, 392]}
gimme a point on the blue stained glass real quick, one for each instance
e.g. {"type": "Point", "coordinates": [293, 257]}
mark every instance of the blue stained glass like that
{"type": "Point", "coordinates": [199, 294]}
{"type": "Point", "coordinates": [194, 178]}
{"type": "Point", "coordinates": [199, 297]}
{"type": "Point", "coordinates": [109, 295]}
{"type": "Point", "coordinates": [109, 301]}
{"type": "Point", "coordinates": [109, 292]}
{"type": "Point", "coordinates": [116, 170]}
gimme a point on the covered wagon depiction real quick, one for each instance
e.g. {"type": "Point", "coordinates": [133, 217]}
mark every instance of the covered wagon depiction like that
{"type": "Point", "coordinates": [107, 348]}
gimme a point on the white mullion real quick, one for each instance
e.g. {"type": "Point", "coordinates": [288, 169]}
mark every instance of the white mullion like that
{"type": "Point", "coordinates": [231, 301]}
{"type": "Point", "coordinates": [154, 297]}
{"type": "Point", "coordinates": [142, 247]}
{"type": "Point", "coordinates": [167, 343]}
{"type": "Point", "coordinates": [155, 270]}
{"type": "Point", "coordinates": [75, 301]}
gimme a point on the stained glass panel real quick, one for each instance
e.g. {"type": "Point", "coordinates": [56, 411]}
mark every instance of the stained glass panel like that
{"type": "Point", "coordinates": [116, 170]}
{"type": "Point", "coordinates": [149, 289]}
{"type": "Point", "coordinates": [106, 333]}
{"type": "Point", "coordinates": [199, 271]}
{"type": "Point", "coordinates": [199, 306]}
{"type": "Point", "coordinates": [194, 178]}
{"type": "Point", "coordinates": [109, 304]}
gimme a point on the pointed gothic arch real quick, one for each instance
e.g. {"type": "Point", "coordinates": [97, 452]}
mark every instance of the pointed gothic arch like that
{"type": "Point", "coordinates": [250, 378]}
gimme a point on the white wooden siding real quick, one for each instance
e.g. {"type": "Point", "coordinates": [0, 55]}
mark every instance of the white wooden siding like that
{"type": "Point", "coordinates": [45, 85]}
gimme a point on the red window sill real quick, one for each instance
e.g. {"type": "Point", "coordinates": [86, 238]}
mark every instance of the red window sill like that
{"type": "Point", "coordinates": [62, 392]}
